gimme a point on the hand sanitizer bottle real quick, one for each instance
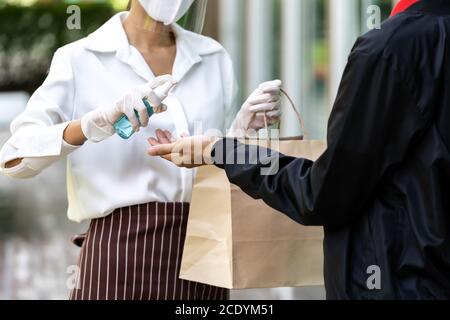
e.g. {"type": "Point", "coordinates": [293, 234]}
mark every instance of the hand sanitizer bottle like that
{"type": "Point", "coordinates": [153, 103]}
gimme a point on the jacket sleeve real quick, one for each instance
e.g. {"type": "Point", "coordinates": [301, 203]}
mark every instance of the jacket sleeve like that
{"type": "Point", "coordinates": [373, 124]}
{"type": "Point", "coordinates": [37, 134]}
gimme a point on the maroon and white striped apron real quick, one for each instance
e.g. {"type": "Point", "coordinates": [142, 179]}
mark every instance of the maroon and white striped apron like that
{"type": "Point", "coordinates": [135, 253]}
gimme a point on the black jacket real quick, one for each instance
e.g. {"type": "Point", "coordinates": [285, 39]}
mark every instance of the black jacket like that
{"type": "Point", "coordinates": [382, 188]}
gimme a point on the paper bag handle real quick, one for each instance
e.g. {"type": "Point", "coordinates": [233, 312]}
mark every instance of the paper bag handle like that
{"type": "Point", "coordinates": [297, 113]}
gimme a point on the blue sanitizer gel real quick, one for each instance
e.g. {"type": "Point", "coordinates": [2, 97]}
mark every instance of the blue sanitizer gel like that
{"type": "Point", "coordinates": [123, 126]}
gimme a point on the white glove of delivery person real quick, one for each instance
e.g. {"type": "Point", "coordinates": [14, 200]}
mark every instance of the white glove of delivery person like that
{"type": "Point", "coordinates": [264, 100]}
{"type": "Point", "coordinates": [98, 124]}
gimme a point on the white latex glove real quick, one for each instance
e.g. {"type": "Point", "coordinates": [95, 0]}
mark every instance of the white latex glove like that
{"type": "Point", "coordinates": [264, 100]}
{"type": "Point", "coordinates": [98, 124]}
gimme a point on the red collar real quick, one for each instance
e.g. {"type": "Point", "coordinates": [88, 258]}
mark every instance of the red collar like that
{"type": "Point", "coordinates": [402, 5]}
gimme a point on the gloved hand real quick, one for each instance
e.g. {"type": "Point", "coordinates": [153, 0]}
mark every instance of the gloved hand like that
{"type": "Point", "coordinates": [98, 124]}
{"type": "Point", "coordinates": [264, 100]}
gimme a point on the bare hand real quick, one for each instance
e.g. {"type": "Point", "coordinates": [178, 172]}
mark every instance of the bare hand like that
{"type": "Point", "coordinates": [187, 152]}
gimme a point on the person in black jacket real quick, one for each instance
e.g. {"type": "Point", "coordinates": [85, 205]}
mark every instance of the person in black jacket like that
{"type": "Point", "coordinates": [382, 188]}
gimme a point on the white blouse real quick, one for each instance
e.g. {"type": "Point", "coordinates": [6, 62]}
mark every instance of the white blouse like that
{"type": "Point", "coordinates": [97, 71]}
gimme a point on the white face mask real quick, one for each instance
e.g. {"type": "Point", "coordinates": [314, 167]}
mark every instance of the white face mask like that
{"type": "Point", "coordinates": [167, 11]}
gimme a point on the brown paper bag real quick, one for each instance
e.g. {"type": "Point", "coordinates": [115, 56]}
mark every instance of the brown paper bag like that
{"type": "Point", "coordinates": [236, 242]}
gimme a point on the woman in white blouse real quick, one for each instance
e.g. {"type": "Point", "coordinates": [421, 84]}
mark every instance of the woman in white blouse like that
{"type": "Point", "coordinates": [137, 205]}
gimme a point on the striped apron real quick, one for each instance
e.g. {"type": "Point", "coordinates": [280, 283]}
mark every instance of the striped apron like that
{"type": "Point", "coordinates": [135, 254]}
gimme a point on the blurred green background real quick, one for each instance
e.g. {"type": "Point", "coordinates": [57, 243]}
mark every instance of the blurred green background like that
{"type": "Point", "coordinates": [31, 34]}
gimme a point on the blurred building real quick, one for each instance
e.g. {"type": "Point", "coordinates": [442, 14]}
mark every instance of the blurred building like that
{"type": "Point", "coordinates": [303, 42]}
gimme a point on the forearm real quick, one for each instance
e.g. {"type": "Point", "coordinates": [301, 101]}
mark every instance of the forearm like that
{"type": "Point", "coordinates": [73, 134]}
{"type": "Point", "coordinates": [283, 182]}
{"type": "Point", "coordinates": [67, 137]}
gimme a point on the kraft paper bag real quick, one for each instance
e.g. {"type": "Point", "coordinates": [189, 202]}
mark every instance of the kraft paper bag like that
{"type": "Point", "coordinates": [236, 242]}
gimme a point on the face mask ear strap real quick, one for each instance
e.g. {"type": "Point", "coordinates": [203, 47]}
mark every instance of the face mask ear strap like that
{"type": "Point", "coordinates": [176, 10]}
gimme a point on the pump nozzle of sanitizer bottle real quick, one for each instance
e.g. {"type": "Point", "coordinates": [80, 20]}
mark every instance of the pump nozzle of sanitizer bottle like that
{"type": "Point", "coordinates": [153, 103]}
